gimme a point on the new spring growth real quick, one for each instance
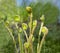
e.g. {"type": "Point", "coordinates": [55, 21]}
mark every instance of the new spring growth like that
{"type": "Point", "coordinates": [26, 45]}
{"type": "Point", "coordinates": [20, 30]}
{"type": "Point", "coordinates": [44, 30]}
{"type": "Point", "coordinates": [34, 23]}
{"type": "Point", "coordinates": [29, 9]}
{"type": "Point", "coordinates": [17, 18]}
{"type": "Point", "coordinates": [42, 18]}
{"type": "Point", "coordinates": [24, 26]}
{"type": "Point", "coordinates": [7, 23]}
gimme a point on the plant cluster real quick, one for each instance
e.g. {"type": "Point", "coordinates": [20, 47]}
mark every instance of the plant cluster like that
{"type": "Point", "coordinates": [27, 46]}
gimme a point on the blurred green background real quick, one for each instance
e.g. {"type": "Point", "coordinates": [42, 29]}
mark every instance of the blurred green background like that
{"type": "Point", "coordinates": [51, 10]}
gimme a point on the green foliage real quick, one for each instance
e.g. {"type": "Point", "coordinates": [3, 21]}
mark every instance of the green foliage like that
{"type": "Point", "coordinates": [4, 37]}
{"type": "Point", "coordinates": [9, 48]}
{"type": "Point", "coordinates": [50, 11]}
{"type": "Point", "coordinates": [8, 8]}
{"type": "Point", "coordinates": [23, 14]}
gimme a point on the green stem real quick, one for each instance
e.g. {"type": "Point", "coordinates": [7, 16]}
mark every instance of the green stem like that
{"type": "Point", "coordinates": [39, 36]}
{"type": "Point", "coordinates": [30, 37]}
{"type": "Point", "coordinates": [12, 38]}
{"type": "Point", "coordinates": [26, 51]}
{"type": "Point", "coordinates": [26, 35]}
{"type": "Point", "coordinates": [33, 29]}
{"type": "Point", "coordinates": [40, 32]}
{"type": "Point", "coordinates": [41, 44]}
{"type": "Point", "coordinates": [19, 40]}
{"type": "Point", "coordinates": [20, 44]}
{"type": "Point", "coordinates": [30, 23]}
